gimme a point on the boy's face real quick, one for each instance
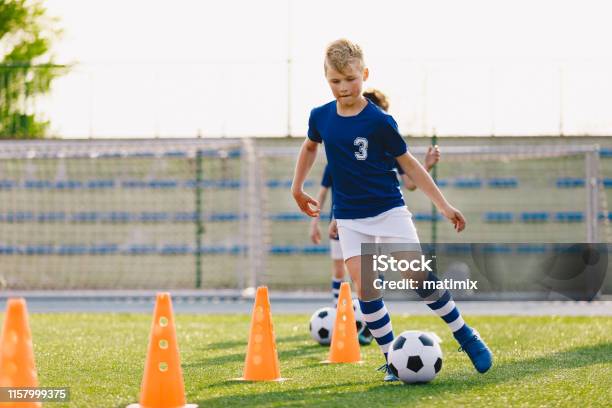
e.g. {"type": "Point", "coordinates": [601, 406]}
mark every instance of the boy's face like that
{"type": "Point", "coordinates": [347, 85]}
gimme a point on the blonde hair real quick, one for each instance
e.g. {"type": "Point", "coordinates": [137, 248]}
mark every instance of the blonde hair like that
{"type": "Point", "coordinates": [378, 97]}
{"type": "Point", "coordinates": [340, 53]}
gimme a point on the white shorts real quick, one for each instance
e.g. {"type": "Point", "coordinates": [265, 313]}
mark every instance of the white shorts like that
{"type": "Point", "coordinates": [392, 226]}
{"type": "Point", "coordinates": [335, 250]}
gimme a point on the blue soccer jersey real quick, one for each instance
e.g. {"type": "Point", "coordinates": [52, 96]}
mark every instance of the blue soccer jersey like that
{"type": "Point", "coordinates": [326, 180]}
{"type": "Point", "coordinates": [360, 154]}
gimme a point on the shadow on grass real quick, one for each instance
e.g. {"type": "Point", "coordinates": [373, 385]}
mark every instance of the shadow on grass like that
{"type": "Point", "coordinates": [221, 345]}
{"type": "Point", "coordinates": [283, 355]}
{"type": "Point", "coordinates": [381, 394]}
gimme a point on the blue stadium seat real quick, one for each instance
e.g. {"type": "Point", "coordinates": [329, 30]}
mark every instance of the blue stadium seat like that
{"type": "Point", "coordinates": [72, 250]}
{"type": "Point", "coordinates": [51, 217]}
{"type": "Point", "coordinates": [149, 216]}
{"type": "Point", "coordinates": [237, 249]}
{"type": "Point", "coordinates": [39, 250]}
{"type": "Point", "coordinates": [605, 152]}
{"type": "Point", "coordinates": [141, 249]}
{"type": "Point", "coordinates": [37, 184]}
{"type": "Point", "coordinates": [224, 217]}
{"type": "Point", "coordinates": [288, 216]}
{"type": "Point", "coordinates": [175, 154]}
{"type": "Point", "coordinates": [569, 182]}
{"type": "Point", "coordinates": [141, 154]}
{"type": "Point", "coordinates": [607, 182]}
{"type": "Point", "coordinates": [109, 155]}
{"type": "Point", "coordinates": [19, 216]}
{"type": "Point", "coordinates": [227, 183]}
{"type": "Point", "coordinates": [286, 183]}
{"type": "Point", "coordinates": [233, 154]}
{"type": "Point", "coordinates": [424, 216]}
{"type": "Point", "coordinates": [163, 184]}
{"type": "Point", "coordinates": [468, 183]}
{"type": "Point", "coordinates": [6, 184]}
{"type": "Point", "coordinates": [284, 249]}
{"type": "Point", "coordinates": [507, 182]}
{"type": "Point", "coordinates": [209, 153]}
{"type": "Point", "coordinates": [100, 184]}
{"type": "Point", "coordinates": [9, 250]}
{"type": "Point", "coordinates": [118, 216]}
{"type": "Point", "coordinates": [173, 249]}
{"type": "Point", "coordinates": [213, 249]}
{"type": "Point", "coordinates": [315, 249]}
{"type": "Point", "coordinates": [185, 217]}
{"type": "Point", "coordinates": [537, 216]}
{"type": "Point", "coordinates": [134, 184]}
{"type": "Point", "coordinates": [68, 185]}
{"type": "Point", "coordinates": [569, 216]}
{"type": "Point", "coordinates": [494, 216]}
{"type": "Point", "coordinates": [442, 183]}
{"type": "Point", "coordinates": [85, 216]}
{"type": "Point", "coordinates": [104, 249]}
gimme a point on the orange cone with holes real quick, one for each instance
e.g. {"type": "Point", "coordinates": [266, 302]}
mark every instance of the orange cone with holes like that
{"type": "Point", "coordinates": [345, 343]}
{"type": "Point", "coordinates": [17, 367]}
{"type": "Point", "coordinates": [261, 362]}
{"type": "Point", "coordinates": [162, 383]}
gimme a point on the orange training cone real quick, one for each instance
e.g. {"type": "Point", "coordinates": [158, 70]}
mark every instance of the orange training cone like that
{"type": "Point", "coordinates": [162, 383]}
{"type": "Point", "coordinates": [261, 362]}
{"type": "Point", "coordinates": [345, 344]}
{"type": "Point", "coordinates": [17, 367]}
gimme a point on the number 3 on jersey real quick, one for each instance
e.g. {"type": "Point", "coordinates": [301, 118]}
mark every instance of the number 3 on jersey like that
{"type": "Point", "coordinates": [362, 142]}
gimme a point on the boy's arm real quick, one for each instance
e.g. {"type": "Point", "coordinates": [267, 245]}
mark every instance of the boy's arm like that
{"type": "Point", "coordinates": [305, 160]}
{"type": "Point", "coordinates": [431, 158]}
{"type": "Point", "coordinates": [423, 181]}
{"type": "Point", "coordinates": [315, 233]}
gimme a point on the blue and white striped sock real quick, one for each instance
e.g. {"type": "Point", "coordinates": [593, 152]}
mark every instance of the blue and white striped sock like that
{"type": "Point", "coordinates": [336, 289]}
{"type": "Point", "coordinates": [378, 321]}
{"type": "Point", "coordinates": [444, 306]}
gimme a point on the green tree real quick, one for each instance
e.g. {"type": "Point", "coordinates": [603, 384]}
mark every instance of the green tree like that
{"type": "Point", "coordinates": [27, 68]}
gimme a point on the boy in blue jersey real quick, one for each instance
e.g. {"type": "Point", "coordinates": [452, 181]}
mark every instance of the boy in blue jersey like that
{"type": "Point", "coordinates": [361, 144]}
{"type": "Point", "coordinates": [338, 268]}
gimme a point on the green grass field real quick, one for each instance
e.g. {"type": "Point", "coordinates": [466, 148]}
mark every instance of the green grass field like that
{"type": "Point", "coordinates": [539, 361]}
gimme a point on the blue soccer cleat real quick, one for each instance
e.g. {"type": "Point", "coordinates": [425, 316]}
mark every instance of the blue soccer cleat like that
{"type": "Point", "coordinates": [478, 352]}
{"type": "Point", "coordinates": [389, 375]}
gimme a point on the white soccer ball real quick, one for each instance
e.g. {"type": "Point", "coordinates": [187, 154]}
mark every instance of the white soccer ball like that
{"type": "Point", "coordinates": [322, 325]}
{"type": "Point", "coordinates": [415, 357]}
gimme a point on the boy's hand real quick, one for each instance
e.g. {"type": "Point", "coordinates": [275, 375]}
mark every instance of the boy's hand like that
{"type": "Point", "coordinates": [455, 216]}
{"type": "Point", "coordinates": [315, 232]}
{"type": "Point", "coordinates": [306, 204]}
{"type": "Point", "coordinates": [432, 156]}
{"type": "Point", "coordinates": [333, 229]}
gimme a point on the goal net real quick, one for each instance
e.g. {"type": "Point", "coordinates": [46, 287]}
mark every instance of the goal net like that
{"type": "Point", "coordinates": [218, 213]}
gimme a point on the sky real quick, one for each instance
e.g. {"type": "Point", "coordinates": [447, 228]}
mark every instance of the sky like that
{"type": "Point", "coordinates": [254, 68]}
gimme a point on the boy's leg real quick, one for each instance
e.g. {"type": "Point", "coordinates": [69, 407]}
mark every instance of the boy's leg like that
{"type": "Point", "coordinates": [337, 279]}
{"type": "Point", "coordinates": [338, 268]}
{"type": "Point", "coordinates": [372, 305]}
{"type": "Point", "coordinates": [441, 302]}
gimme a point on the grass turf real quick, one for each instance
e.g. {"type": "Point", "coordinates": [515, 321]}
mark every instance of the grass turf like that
{"type": "Point", "coordinates": [539, 361]}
